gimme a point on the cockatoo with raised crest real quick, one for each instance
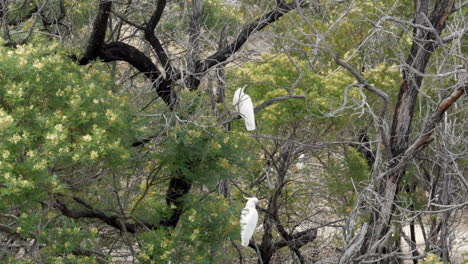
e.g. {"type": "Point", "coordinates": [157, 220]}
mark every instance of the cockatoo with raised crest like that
{"type": "Point", "coordinates": [243, 104]}
{"type": "Point", "coordinates": [248, 220]}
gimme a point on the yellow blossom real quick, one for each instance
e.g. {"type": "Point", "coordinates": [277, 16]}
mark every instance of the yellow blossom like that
{"type": "Point", "coordinates": [15, 139]}
{"type": "Point", "coordinates": [59, 92]}
{"type": "Point", "coordinates": [192, 218]}
{"type": "Point", "coordinates": [6, 154]}
{"type": "Point", "coordinates": [64, 150]}
{"type": "Point", "coordinates": [215, 145]}
{"type": "Point", "coordinates": [87, 138]}
{"type": "Point", "coordinates": [165, 255]}
{"type": "Point", "coordinates": [224, 163]}
{"type": "Point", "coordinates": [52, 137]}
{"type": "Point", "coordinates": [24, 183]}
{"type": "Point", "coordinates": [22, 62]}
{"type": "Point", "coordinates": [38, 65]}
{"type": "Point", "coordinates": [40, 165]}
{"type": "Point", "coordinates": [94, 155]}
{"type": "Point", "coordinates": [194, 235]}
{"type": "Point", "coordinates": [164, 244]}
{"type": "Point", "coordinates": [93, 231]}
{"type": "Point", "coordinates": [111, 115]}
{"type": "Point", "coordinates": [5, 119]}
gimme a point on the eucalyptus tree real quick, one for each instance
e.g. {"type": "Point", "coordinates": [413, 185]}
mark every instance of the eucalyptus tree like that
{"type": "Point", "coordinates": [119, 149]}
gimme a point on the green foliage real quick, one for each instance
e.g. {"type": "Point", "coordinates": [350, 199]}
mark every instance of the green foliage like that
{"type": "Point", "coordinates": [272, 78]}
{"type": "Point", "coordinates": [199, 237]}
{"type": "Point", "coordinates": [432, 259]}
{"type": "Point", "coordinates": [216, 14]}
{"type": "Point", "coordinates": [202, 155]}
{"type": "Point", "coordinates": [55, 115]}
{"type": "Point", "coordinates": [343, 177]}
{"type": "Point", "coordinates": [57, 119]}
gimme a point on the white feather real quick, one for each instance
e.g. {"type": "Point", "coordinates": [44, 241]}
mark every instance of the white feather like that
{"type": "Point", "coordinates": [248, 220]}
{"type": "Point", "coordinates": [300, 164]}
{"type": "Point", "coordinates": [244, 105]}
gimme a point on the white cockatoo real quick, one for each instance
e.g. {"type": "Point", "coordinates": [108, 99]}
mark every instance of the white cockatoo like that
{"type": "Point", "coordinates": [243, 104]}
{"type": "Point", "coordinates": [300, 163]}
{"type": "Point", "coordinates": [248, 220]}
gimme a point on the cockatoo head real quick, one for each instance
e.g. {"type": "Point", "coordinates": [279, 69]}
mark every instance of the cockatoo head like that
{"type": "Point", "coordinates": [251, 202]}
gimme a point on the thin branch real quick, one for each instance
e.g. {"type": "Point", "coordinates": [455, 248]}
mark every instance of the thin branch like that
{"type": "Point", "coordinates": [153, 40]}
{"type": "Point", "coordinates": [222, 55]}
{"type": "Point", "coordinates": [425, 138]}
{"type": "Point", "coordinates": [455, 9]}
{"type": "Point", "coordinates": [90, 212]}
{"type": "Point", "coordinates": [140, 27]}
{"type": "Point", "coordinates": [98, 33]}
{"type": "Point", "coordinates": [298, 239]}
{"type": "Point", "coordinates": [454, 35]}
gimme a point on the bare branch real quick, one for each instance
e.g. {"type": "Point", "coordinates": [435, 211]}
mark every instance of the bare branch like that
{"type": "Point", "coordinates": [98, 33]}
{"type": "Point", "coordinates": [222, 55]}
{"type": "Point", "coordinates": [454, 35]}
{"type": "Point", "coordinates": [154, 41]}
{"type": "Point", "coordinates": [298, 239]}
{"type": "Point", "coordinates": [128, 21]}
{"type": "Point", "coordinates": [91, 212]}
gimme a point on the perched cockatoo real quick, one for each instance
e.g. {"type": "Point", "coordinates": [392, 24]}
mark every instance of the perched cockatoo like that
{"type": "Point", "coordinates": [243, 104]}
{"type": "Point", "coordinates": [300, 163]}
{"type": "Point", "coordinates": [248, 220]}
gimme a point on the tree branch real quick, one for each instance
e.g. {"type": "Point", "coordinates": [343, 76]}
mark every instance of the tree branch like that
{"type": "Point", "coordinates": [128, 21]}
{"type": "Point", "coordinates": [118, 51]}
{"type": "Point", "coordinates": [178, 187]}
{"type": "Point", "coordinates": [57, 20]}
{"type": "Point", "coordinates": [298, 239]}
{"type": "Point", "coordinates": [455, 9]}
{"type": "Point", "coordinates": [154, 41]}
{"type": "Point", "coordinates": [90, 212]}
{"type": "Point", "coordinates": [423, 45]}
{"type": "Point", "coordinates": [222, 55]}
{"type": "Point", "coordinates": [454, 35]}
{"type": "Point", "coordinates": [98, 33]}
{"type": "Point", "coordinates": [100, 257]}
{"type": "Point", "coordinates": [435, 118]}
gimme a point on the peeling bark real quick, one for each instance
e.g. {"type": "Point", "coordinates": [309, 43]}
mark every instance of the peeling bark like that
{"type": "Point", "coordinates": [424, 43]}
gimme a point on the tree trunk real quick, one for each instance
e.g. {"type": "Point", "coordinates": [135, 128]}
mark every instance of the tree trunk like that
{"type": "Point", "coordinates": [424, 43]}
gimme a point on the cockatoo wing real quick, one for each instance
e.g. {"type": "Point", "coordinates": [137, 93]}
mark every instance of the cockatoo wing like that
{"type": "Point", "coordinates": [246, 108]}
{"type": "Point", "coordinates": [237, 98]}
{"type": "Point", "coordinates": [248, 222]}
{"type": "Point", "coordinates": [244, 105]}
